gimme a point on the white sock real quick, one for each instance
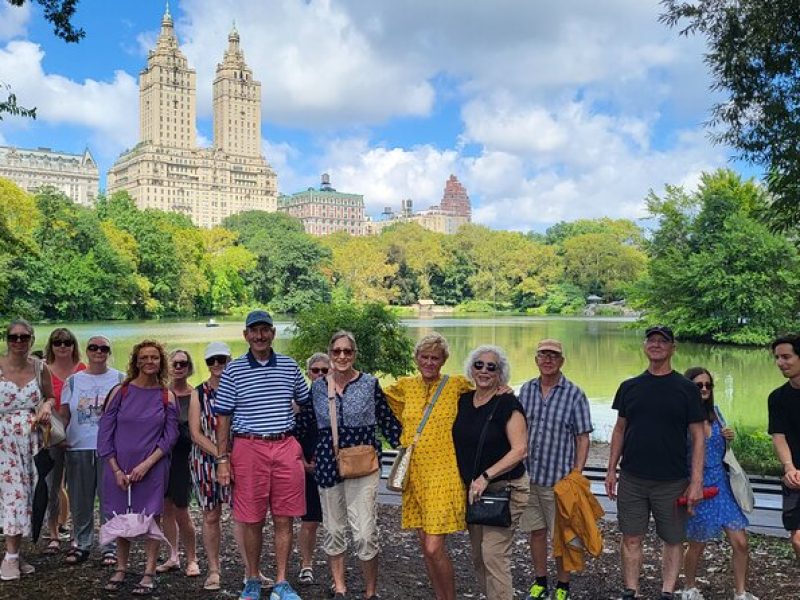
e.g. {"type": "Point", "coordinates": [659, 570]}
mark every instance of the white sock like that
{"type": "Point", "coordinates": [10, 556]}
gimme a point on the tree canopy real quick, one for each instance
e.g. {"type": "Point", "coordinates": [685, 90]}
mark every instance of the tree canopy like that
{"type": "Point", "coordinates": [754, 59]}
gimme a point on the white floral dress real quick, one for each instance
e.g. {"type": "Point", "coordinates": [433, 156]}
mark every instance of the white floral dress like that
{"type": "Point", "coordinates": [19, 442]}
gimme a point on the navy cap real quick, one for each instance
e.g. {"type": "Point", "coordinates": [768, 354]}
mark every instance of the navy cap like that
{"type": "Point", "coordinates": [256, 317]}
{"type": "Point", "coordinates": [662, 330]}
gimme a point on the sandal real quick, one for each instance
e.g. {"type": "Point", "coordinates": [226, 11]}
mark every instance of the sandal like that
{"type": "Point", "coordinates": [109, 558]}
{"type": "Point", "coordinates": [145, 589]}
{"type": "Point", "coordinates": [53, 548]}
{"type": "Point", "coordinates": [113, 585]}
{"type": "Point", "coordinates": [76, 556]}
{"type": "Point", "coordinates": [212, 581]}
{"type": "Point", "coordinates": [193, 569]}
{"type": "Point", "coordinates": [168, 566]}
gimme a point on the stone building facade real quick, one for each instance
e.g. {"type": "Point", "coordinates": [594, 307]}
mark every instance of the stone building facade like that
{"type": "Point", "coordinates": [166, 169]}
{"type": "Point", "coordinates": [76, 175]}
{"type": "Point", "coordinates": [325, 210]}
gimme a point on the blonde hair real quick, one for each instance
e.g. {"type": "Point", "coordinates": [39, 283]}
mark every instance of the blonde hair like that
{"type": "Point", "coordinates": [433, 341]}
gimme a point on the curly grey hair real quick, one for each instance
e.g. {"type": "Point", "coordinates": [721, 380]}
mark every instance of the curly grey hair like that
{"type": "Point", "coordinates": [504, 369]}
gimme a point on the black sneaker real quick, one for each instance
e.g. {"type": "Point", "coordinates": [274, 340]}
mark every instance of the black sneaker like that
{"type": "Point", "coordinates": [628, 594]}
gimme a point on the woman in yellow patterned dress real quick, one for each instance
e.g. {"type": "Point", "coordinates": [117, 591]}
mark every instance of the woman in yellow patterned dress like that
{"type": "Point", "coordinates": [434, 496]}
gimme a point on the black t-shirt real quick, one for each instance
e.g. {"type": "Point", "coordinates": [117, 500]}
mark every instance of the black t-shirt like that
{"type": "Point", "coordinates": [467, 433]}
{"type": "Point", "coordinates": [784, 417]}
{"type": "Point", "coordinates": [658, 410]}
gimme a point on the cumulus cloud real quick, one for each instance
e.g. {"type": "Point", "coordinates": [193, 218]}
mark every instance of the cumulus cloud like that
{"type": "Point", "coordinates": [13, 20]}
{"type": "Point", "coordinates": [96, 105]}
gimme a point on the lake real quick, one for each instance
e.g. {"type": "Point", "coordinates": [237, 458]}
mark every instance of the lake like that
{"type": "Point", "coordinates": [600, 353]}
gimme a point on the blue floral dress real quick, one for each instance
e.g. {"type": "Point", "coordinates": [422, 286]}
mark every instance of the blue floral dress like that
{"type": "Point", "coordinates": [721, 511]}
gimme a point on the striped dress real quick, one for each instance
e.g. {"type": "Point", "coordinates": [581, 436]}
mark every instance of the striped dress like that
{"type": "Point", "coordinates": [202, 465]}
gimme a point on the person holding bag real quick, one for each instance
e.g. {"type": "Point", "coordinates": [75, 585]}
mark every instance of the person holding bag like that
{"type": "Point", "coordinates": [720, 513]}
{"type": "Point", "coordinates": [348, 405]}
{"type": "Point", "coordinates": [492, 469]}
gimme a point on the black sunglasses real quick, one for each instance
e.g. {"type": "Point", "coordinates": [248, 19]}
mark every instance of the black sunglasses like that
{"type": "Point", "coordinates": [97, 348]}
{"type": "Point", "coordinates": [19, 337]}
{"type": "Point", "coordinates": [479, 365]}
{"type": "Point", "coordinates": [703, 384]}
{"type": "Point", "coordinates": [345, 351]}
{"type": "Point", "coordinates": [220, 359]}
{"type": "Point", "coordinates": [318, 370]}
{"type": "Point", "coordinates": [59, 343]}
{"type": "Point", "coordinates": [180, 364]}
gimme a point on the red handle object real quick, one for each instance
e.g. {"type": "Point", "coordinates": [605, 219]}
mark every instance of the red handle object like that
{"type": "Point", "coordinates": [708, 492]}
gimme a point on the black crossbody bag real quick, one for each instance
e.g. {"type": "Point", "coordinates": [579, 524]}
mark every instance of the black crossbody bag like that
{"type": "Point", "coordinates": [492, 508]}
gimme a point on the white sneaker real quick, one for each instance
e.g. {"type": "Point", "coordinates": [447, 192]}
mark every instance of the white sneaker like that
{"type": "Point", "coordinates": [691, 594]}
{"type": "Point", "coordinates": [744, 596]}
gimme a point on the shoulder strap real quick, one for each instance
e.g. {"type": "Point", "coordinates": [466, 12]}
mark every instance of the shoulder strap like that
{"type": "Point", "coordinates": [483, 438]}
{"type": "Point", "coordinates": [71, 382]}
{"type": "Point", "coordinates": [121, 392]}
{"type": "Point", "coordinates": [332, 412]}
{"type": "Point", "coordinates": [37, 368]}
{"type": "Point", "coordinates": [429, 408]}
{"type": "Point", "coordinates": [720, 418]}
{"type": "Point", "coordinates": [165, 396]}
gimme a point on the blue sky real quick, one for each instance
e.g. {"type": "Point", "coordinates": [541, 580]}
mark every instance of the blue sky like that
{"type": "Point", "coordinates": [545, 111]}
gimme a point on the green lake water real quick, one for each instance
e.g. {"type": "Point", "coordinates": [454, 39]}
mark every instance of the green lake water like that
{"type": "Point", "coordinates": [600, 354]}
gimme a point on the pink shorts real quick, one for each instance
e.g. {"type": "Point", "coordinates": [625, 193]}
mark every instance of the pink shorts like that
{"type": "Point", "coordinates": [267, 475]}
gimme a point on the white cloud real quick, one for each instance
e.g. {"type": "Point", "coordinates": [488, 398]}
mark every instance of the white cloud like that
{"type": "Point", "coordinates": [282, 156]}
{"type": "Point", "coordinates": [96, 105]}
{"type": "Point", "coordinates": [13, 20]}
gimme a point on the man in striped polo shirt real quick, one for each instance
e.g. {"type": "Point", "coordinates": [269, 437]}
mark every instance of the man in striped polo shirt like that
{"type": "Point", "coordinates": [559, 424]}
{"type": "Point", "coordinates": [254, 405]}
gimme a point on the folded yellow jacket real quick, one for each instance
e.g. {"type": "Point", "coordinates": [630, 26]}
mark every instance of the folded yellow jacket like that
{"type": "Point", "coordinates": [577, 511]}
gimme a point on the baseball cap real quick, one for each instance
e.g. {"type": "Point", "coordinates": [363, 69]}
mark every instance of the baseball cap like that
{"type": "Point", "coordinates": [258, 316]}
{"type": "Point", "coordinates": [660, 329]}
{"type": "Point", "coordinates": [551, 346]}
{"type": "Point", "coordinates": [217, 349]}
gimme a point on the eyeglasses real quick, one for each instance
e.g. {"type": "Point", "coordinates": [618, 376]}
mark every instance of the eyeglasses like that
{"type": "Point", "coordinates": [180, 364]}
{"type": "Point", "coordinates": [705, 384]}
{"type": "Point", "coordinates": [342, 351]}
{"type": "Point", "coordinates": [59, 343]}
{"type": "Point", "coordinates": [220, 359]}
{"type": "Point", "coordinates": [548, 355]}
{"type": "Point", "coordinates": [19, 337]}
{"type": "Point", "coordinates": [479, 365]}
{"type": "Point", "coordinates": [318, 370]}
{"type": "Point", "coordinates": [96, 348]}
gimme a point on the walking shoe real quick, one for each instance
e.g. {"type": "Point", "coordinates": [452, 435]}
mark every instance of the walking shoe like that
{"type": "Point", "coordinates": [538, 592]}
{"type": "Point", "coordinates": [628, 594]}
{"type": "Point", "coordinates": [306, 576]}
{"type": "Point", "coordinates": [744, 596]}
{"type": "Point", "coordinates": [252, 590]}
{"type": "Point", "coordinates": [691, 593]}
{"type": "Point", "coordinates": [283, 591]}
{"type": "Point", "coordinates": [561, 594]}
{"type": "Point", "coordinates": [9, 569]}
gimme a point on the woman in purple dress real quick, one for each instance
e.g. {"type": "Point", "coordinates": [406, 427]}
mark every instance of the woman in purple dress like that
{"type": "Point", "coordinates": [137, 431]}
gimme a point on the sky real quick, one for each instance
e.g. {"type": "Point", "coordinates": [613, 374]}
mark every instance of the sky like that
{"type": "Point", "coordinates": [545, 111]}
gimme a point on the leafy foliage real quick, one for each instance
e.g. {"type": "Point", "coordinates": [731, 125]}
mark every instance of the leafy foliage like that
{"type": "Point", "coordinates": [716, 273]}
{"type": "Point", "coordinates": [384, 347]}
{"type": "Point", "coordinates": [754, 57]}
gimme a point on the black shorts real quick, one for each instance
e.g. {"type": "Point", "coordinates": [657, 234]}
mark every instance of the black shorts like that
{"type": "Point", "coordinates": [791, 509]}
{"type": "Point", "coordinates": [313, 506]}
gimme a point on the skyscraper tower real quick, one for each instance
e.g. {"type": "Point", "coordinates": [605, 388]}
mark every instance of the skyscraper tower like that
{"type": "Point", "coordinates": [455, 199]}
{"type": "Point", "coordinates": [237, 103]}
{"type": "Point", "coordinates": [167, 111]}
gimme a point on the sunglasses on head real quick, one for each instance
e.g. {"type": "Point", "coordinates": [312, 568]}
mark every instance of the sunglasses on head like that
{"type": "Point", "coordinates": [65, 343]}
{"type": "Point", "coordinates": [19, 337]}
{"type": "Point", "coordinates": [318, 370]}
{"type": "Point", "coordinates": [705, 384]}
{"type": "Point", "coordinates": [220, 359]}
{"type": "Point", "coordinates": [344, 351]}
{"type": "Point", "coordinates": [479, 365]}
{"type": "Point", "coordinates": [98, 348]}
{"type": "Point", "coordinates": [180, 364]}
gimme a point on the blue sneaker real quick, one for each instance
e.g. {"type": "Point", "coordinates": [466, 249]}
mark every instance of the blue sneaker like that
{"type": "Point", "coordinates": [252, 590]}
{"type": "Point", "coordinates": [283, 591]}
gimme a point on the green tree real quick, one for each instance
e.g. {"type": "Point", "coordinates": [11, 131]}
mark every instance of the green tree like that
{"type": "Point", "coordinates": [599, 264]}
{"type": "Point", "coordinates": [359, 267]}
{"type": "Point", "coordinates": [384, 346]}
{"type": "Point", "coordinates": [754, 58]}
{"type": "Point", "coordinates": [716, 273]}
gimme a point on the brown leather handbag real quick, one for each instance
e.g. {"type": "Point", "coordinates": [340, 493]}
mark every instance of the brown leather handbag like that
{"type": "Point", "coordinates": [353, 462]}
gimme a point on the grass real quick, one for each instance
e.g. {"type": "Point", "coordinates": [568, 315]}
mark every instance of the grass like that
{"type": "Point", "coordinates": [755, 452]}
